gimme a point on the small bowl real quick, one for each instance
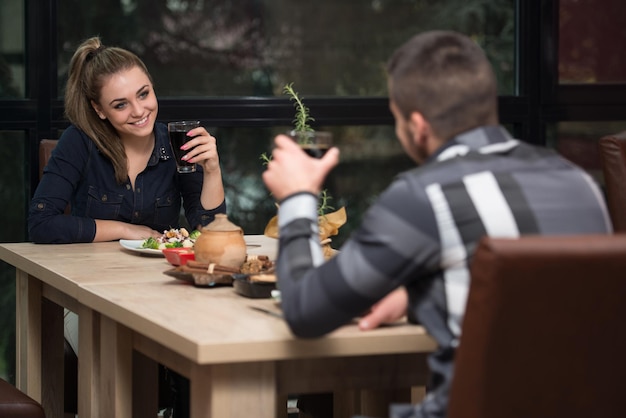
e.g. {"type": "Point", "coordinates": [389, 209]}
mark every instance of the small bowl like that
{"type": "Point", "coordinates": [179, 256]}
{"type": "Point", "coordinates": [251, 289]}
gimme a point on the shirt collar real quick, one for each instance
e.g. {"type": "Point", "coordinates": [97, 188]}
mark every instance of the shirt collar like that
{"type": "Point", "coordinates": [162, 149]}
{"type": "Point", "coordinates": [485, 140]}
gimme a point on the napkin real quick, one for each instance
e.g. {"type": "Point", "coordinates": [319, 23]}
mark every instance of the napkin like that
{"type": "Point", "coordinates": [328, 223]}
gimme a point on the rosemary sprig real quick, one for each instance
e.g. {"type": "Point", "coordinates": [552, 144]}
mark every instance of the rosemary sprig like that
{"type": "Point", "coordinates": [323, 207]}
{"type": "Point", "coordinates": [302, 117]}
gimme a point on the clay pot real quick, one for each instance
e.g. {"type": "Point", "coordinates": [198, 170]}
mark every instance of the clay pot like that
{"type": "Point", "coordinates": [221, 242]}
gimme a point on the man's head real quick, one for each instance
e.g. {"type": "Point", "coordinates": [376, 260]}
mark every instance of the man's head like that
{"type": "Point", "coordinates": [440, 84]}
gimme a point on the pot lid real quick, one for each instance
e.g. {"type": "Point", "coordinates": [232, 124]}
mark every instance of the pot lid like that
{"type": "Point", "coordinates": [221, 224]}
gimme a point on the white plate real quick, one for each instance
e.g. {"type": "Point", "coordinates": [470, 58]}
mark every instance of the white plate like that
{"type": "Point", "coordinates": [135, 245]}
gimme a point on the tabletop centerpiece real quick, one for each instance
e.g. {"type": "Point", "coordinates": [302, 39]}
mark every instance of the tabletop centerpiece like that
{"type": "Point", "coordinates": [329, 219]}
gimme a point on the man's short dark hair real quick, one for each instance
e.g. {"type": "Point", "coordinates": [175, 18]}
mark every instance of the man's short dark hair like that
{"type": "Point", "coordinates": [447, 78]}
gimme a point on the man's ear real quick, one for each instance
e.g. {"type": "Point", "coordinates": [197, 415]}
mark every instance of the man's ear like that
{"type": "Point", "coordinates": [420, 127]}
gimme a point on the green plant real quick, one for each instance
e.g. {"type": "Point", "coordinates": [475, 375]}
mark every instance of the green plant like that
{"type": "Point", "coordinates": [302, 128]}
{"type": "Point", "coordinates": [302, 131]}
{"type": "Point", "coordinates": [323, 207]}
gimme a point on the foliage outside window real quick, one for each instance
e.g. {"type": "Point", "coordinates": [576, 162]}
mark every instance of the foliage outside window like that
{"type": "Point", "coordinates": [206, 48]}
{"type": "Point", "coordinates": [591, 38]}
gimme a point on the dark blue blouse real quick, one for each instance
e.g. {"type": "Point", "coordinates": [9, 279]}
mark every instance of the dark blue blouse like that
{"type": "Point", "coordinates": [79, 175]}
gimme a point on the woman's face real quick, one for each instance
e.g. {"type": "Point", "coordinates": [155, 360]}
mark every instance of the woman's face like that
{"type": "Point", "coordinates": [128, 101]}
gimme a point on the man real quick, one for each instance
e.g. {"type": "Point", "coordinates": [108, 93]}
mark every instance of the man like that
{"type": "Point", "coordinates": [411, 253]}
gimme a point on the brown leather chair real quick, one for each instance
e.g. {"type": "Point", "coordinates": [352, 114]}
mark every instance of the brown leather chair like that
{"type": "Point", "coordinates": [613, 158]}
{"type": "Point", "coordinates": [71, 360]}
{"type": "Point", "coordinates": [16, 404]}
{"type": "Point", "coordinates": [45, 150]}
{"type": "Point", "coordinates": [543, 334]}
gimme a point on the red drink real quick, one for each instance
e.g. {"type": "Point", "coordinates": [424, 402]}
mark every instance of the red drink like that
{"type": "Point", "coordinates": [178, 137]}
{"type": "Point", "coordinates": [315, 150]}
{"type": "Point", "coordinates": [314, 143]}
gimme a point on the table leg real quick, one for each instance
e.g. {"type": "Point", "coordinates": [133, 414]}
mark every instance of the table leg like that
{"type": "Point", "coordinates": [52, 360]}
{"type": "Point", "coordinates": [359, 387]}
{"type": "Point", "coordinates": [145, 386]}
{"type": "Point", "coordinates": [234, 390]}
{"type": "Point", "coordinates": [418, 393]}
{"type": "Point", "coordinates": [115, 399]}
{"type": "Point", "coordinates": [88, 361]}
{"type": "Point", "coordinates": [28, 334]}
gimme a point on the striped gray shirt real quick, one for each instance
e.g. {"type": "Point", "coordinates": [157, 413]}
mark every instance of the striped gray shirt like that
{"type": "Point", "coordinates": [421, 234]}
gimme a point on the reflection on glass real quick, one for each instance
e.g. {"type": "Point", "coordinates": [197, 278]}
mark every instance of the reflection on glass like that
{"type": "Point", "coordinates": [578, 142]}
{"type": "Point", "coordinates": [12, 63]}
{"type": "Point", "coordinates": [253, 48]}
{"type": "Point", "coordinates": [591, 39]}
{"type": "Point", "coordinates": [13, 193]}
{"type": "Point", "coordinates": [370, 158]}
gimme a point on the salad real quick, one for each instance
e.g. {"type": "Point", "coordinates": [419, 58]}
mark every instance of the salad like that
{"type": "Point", "coordinates": [172, 238]}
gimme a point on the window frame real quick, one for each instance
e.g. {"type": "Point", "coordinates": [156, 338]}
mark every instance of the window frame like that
{"type": "Point", "coordinates": [539, 99]}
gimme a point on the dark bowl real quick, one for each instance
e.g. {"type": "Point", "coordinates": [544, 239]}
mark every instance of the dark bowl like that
{"type": "Point", "coordinates": [252, 289]}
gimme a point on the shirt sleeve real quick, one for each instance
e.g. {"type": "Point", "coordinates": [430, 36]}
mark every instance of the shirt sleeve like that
{"type": "Point", "coordinates": [394, 245]}
{"type": "Point", "coordinates": [47, 223]}
{"type": "Point", "coordinates": [190, 185]}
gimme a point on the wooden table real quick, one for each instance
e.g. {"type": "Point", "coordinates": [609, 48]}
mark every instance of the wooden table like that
{"type": "Point", "coordinates": [240, 361]}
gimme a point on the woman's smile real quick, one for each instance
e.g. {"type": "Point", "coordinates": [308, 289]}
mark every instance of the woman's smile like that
{"type": "Point", "coordinates": [126, 96]}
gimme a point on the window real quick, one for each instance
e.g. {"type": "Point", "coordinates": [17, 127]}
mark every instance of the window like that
{"type": "Point", "coordinates": [12, 62]}
{"type": "Point", "coordinates": [12, 193]}
{"type": "Point", "coordinates": [225, 61]}
{"type": "Point", "coordinates": [371, 157]}
{"type": "Point", "coordinates": [578, 142]}
{"type": "Point", "coordinates": [591, 36]}
{"type": "Point", "coordinates": [253, 48]}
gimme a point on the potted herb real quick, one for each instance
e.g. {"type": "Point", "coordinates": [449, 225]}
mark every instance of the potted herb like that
{"type": "Point", "coordinates": [315, 143]}
{"type": "Point", "coordinates": [301, 128]}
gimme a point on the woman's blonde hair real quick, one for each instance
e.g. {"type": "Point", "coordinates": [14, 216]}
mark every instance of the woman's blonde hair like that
{"type": "Point", "coordinates": [91, 64]}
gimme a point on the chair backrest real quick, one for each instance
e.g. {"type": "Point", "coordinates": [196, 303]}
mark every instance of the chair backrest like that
{"type": "Point", "coordinates": [45, 150]}
{"type": "Point", "coordinates": [613, 158]}
{"type": "Point", "coordinates": [544, 333]}
{"type": "Point", "coordinates": [15, 403]}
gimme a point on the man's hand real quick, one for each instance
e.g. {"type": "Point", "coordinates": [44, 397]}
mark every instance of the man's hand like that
{"type": "Point", "coordinates": [390, 309]}
{"type": "Point", "coordinates": [291, 170]}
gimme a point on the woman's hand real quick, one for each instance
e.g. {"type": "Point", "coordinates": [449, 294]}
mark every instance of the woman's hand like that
{"type": "Point", "coordinates": [108, 230]}
{"type": "Point", "coordinates": [140, 232]}
{"type": "Point", "coordinates": [202, 150]}
{"type": "Point", "coordinates": [291, 170]}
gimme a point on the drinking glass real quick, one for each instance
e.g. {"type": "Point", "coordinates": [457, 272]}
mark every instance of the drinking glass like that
{"type": "Point", "coordinates": [314, 143]}
{"type": "Point", "coordinates": [178, 136]}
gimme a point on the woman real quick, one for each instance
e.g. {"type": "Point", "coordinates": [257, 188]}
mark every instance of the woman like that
{"type": "Point", "coordinates": [114, 164]}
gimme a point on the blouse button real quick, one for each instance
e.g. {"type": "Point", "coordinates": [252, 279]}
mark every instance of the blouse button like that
{"type": "Point", "coordinates": [138, 189]}
{"type": "Point", "coordinates": [104, 198]}
{"type": "Point", "coordinates": [136, 214]}
{"type": "Point", "coordinates": [128, 187]}
{"type": "Point", "coordinates": [40, 206]}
